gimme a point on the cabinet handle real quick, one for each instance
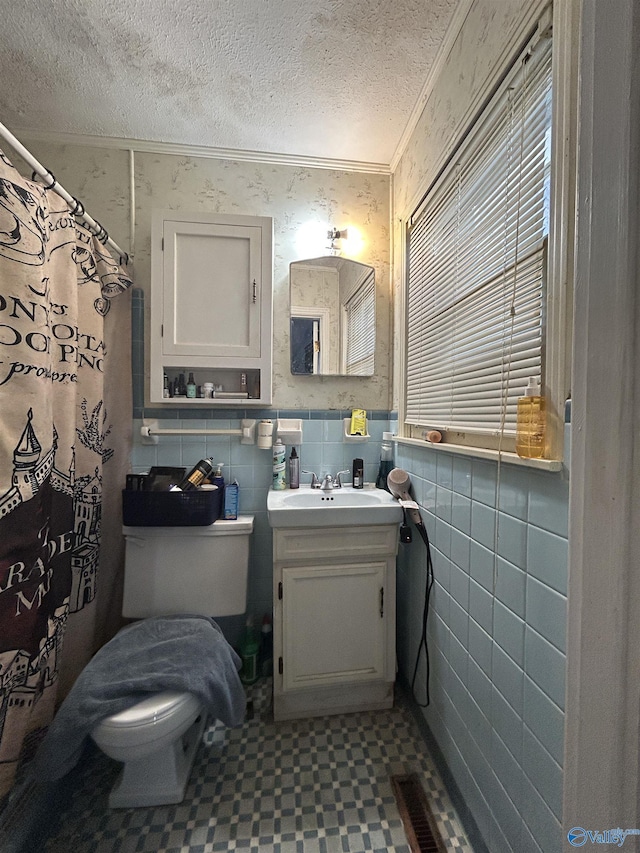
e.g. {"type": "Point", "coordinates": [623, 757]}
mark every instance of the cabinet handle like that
{"type": "Point", "coordinates": [255, 292]}
{"type": "Point", "coordinates": [381, 602]}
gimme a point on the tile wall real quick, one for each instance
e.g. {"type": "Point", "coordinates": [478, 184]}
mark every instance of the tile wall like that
{"type": "Point", "coordinates": [496, 634]}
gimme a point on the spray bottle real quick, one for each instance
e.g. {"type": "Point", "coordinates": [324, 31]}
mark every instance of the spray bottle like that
{"type": "Point", "coordinates": [279, 466]}
{"type": "Point", "coordinates": [294, 470]}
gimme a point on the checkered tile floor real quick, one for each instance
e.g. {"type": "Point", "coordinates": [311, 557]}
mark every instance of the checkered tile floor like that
{"type": "Point", "coordinates": [307, 786]}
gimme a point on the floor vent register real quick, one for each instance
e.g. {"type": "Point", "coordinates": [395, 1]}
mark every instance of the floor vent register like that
{"type": "Point", "coordinates": [419, 824]}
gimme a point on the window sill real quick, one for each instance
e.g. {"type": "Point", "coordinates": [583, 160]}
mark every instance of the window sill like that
{"type": "Point", "coordinates": [482, 453]}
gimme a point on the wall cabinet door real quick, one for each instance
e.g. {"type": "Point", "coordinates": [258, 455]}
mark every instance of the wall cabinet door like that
{"type": "Point", "coordinates": [211, 305]}
{"type": "Point", "coordinates": [333, 624]}
{"type": "Point", "coordinates": [211, 289]}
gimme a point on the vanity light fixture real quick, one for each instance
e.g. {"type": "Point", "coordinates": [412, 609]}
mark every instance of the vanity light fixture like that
{"type": "Point", "coordinates": [332, 236]}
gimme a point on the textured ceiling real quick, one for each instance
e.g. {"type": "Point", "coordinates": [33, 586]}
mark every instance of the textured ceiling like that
{"type": "Point", "coordinates": [332, 79]}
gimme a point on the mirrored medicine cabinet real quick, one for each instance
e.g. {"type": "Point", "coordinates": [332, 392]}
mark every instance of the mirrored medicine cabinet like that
{"type": "Point", "coordinates": [333, 317]}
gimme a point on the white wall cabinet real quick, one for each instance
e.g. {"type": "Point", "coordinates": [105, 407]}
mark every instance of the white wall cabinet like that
{"type": "Point", "coordinates": [211, 305]}
{"type": "Point", "coordinates": [334, 619]}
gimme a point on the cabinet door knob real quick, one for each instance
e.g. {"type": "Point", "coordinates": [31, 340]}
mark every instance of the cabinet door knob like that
{"type": "Point", "coordinates": [255, 292]}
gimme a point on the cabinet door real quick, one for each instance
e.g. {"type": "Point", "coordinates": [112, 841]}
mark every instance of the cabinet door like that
{"type": "Point", "coordinates": [212, 289]}
{"type": "Point", "coordinates": [333, 624]}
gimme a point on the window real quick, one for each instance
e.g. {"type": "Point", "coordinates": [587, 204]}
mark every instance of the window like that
{"type": "Point", "coordinates": [477, 268]}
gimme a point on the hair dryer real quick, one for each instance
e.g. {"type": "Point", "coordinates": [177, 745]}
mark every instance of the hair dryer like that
{"type": "Point", "coordinates": [399, 483]}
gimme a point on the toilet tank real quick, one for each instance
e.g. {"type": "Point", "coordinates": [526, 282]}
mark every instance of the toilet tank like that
{"type": "Point", "coordinates": [201, 570]}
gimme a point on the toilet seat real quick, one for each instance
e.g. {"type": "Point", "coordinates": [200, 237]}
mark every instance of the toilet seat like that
{"type": "Point", "coordinates": [151, 720]}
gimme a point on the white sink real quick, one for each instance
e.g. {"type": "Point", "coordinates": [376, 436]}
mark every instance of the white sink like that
{"type": "Point", "coordinates": [345, 507]}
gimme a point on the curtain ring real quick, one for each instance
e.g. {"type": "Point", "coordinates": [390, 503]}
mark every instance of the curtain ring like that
{"type": "Point", "coordinates": [35, 175]}
{"type": "Point", "coordinates": [124, 259]}
{"type": "Point", "coordinates": [78, 210]}
{"type": "Point", "coordinates": [97, 229]}
{"type": "Point", "coordinates": [101, 234]}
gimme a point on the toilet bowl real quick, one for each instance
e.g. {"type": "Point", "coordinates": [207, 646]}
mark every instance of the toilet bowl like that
{"type": "Point", "coordinates": [157, 740]}
{"type": "Point", "coordinates": [171, 570]}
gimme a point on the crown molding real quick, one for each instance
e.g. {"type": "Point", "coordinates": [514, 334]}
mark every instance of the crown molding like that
{"type": "Point", "coordinates": [152, 147]}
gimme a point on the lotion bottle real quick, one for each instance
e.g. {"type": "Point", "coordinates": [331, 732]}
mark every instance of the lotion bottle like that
{"type": "Point", "coordinates": [531, 422]}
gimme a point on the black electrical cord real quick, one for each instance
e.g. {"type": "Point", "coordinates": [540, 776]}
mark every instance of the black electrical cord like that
{"type": "Point", "coordinates": [422, 530]}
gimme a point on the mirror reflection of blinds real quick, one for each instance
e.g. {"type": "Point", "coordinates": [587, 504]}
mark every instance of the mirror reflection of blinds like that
{"type": "Point", "coordinates": [476, 247]}
{"type": "Point", "coordinates": [361, 329]}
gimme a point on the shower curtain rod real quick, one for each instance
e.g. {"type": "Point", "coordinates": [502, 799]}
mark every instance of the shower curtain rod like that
{"type": "Point", "coordinates": [52, 184]}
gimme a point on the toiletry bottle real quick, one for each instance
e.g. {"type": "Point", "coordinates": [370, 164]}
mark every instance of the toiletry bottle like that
{"type": "Point", "coordinates": [191, 387]}
{"type": "Point", "coordinates": [531, 422]}
{"type": "Point", "coordinates": [197, 474]}
{"type": "Point", "coordinates": [243, 384]}
{"type": "Point", "coordinates": [358, 474]}
{"type": "Point", "coordinates": [166, 393]}
{"type": "Point", "coordinates": [386, 461]}
{"type": "Point", "coordinates": [279, 465]}
{"type": "Point", "coordinates": [218, 480]}
{"type": "Point", "coordinates": [266, 647]}
{"type": "Point", "coordinates": [249, 649]}
{"type": "Point", "coordinates": [231, 495]}
{"type": "Point", "coordinates": [180, 386]}
{"type": "Point", "coordinates": [294, 470]}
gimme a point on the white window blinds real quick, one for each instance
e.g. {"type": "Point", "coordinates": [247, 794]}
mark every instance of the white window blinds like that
{"type": "Point", "coordinates": [360, 313]}
{"type": "Point", "coordinates": [477, 264]}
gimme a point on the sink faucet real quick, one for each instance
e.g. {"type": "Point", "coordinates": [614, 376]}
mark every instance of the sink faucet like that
{"type": "Point", "coordinates": [327, 483]}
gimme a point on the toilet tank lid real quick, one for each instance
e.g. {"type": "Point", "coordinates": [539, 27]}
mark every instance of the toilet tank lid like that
{"type": "Point", "coordinates": [239, 526]}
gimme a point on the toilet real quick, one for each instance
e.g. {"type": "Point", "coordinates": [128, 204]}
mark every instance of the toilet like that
{"type": "Point", "coordinates": [171, 570]}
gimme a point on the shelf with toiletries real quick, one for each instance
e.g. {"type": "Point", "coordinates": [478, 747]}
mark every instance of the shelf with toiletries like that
{"type": "Point", "coordinates": [211, 309]}
{"type": "Point", "coordinates": [194, 385]}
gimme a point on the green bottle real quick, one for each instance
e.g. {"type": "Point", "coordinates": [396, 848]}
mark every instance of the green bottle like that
{"type": "Point", "coordinates": [249, 648]}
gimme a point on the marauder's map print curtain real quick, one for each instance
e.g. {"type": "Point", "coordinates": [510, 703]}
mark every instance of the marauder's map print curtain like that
{"type": "Point", "coordinates": [56, 283]}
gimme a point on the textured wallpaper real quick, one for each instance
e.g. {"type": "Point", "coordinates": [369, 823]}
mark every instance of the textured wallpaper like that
{"type": "Point", "coordinates": [291, 195]}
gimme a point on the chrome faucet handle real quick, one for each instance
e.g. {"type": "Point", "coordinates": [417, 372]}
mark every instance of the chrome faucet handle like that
{"type": "Point", "coordinates": [314, 479]}
{"type": "Point", "coordinates": [338, 481]}
{"type": "Point", "coordinates": [327, 483]}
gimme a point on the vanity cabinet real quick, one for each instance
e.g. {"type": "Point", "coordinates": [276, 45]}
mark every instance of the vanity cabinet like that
{"type": "Point", "coordinates": [334, 619]}
{"type": "Point", "coordinates": [211, 306]}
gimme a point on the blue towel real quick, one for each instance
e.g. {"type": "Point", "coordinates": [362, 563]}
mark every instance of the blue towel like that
{"type": "Point", "coordinates": [185, 653]}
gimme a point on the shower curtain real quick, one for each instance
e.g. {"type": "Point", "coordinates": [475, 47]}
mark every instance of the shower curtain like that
{"type": "Point", "coordinates": [62, 430]}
